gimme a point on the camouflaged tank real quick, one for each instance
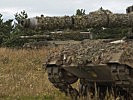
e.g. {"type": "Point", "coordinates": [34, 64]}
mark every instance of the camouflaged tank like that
{"type": "Point", "coordinates": [103, 64]}
{"type": "Point", "coordinates": [99, 18]}
{"type": "Point", "coordinates": [108, 63]}
{"type": "Point", "coordinates": [65, 28]}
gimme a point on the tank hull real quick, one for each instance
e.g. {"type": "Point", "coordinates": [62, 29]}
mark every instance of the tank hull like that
{"type": "Point", "coordinates": [91, 72]}
{"type": "Point", "coordinates": [97, 63]}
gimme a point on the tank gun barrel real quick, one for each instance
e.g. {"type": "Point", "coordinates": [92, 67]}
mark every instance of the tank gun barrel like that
{"type": "Point", "coordinates": [61, 36]}
{"type": "Point", "coordinates": [35, 37]}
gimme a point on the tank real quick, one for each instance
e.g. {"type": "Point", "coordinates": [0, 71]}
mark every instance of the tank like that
{"type": "Point", "coordinates": [77, 28]}
{"type": "Point", "coordinates": [107, 63]}
{"type": "Point", "coordinates": [99, 18]}
{"type": "Point", "coordinates": [101, 64]}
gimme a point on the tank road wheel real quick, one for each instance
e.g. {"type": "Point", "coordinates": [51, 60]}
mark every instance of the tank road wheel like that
{"type": "Point", "coordinates": [62, 80]}
{"type": "Point", "coordinates": [86, 88]}
{"type": "Point", "coordinates": [68, 77]}
{"type": "Point", "coordinates": [93, 90]}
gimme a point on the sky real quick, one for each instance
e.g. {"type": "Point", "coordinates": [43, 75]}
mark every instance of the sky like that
{"type": "Point", "coordinates": [59, 7]}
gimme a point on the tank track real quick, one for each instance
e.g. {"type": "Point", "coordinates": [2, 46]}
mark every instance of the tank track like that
{"type": "Point", "coordinates": [122, 76]}
{"type": "Point", "coordinates": [55, 76]}
{"type": "Point", "coordinates": [122, 83]}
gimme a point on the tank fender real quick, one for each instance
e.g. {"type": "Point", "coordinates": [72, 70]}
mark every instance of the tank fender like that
{"type": "Point", "coordinates": [91, 72]}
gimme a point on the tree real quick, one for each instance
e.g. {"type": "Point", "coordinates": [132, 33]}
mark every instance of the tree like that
{"type": "Point", "coordinates": [10, 33]}
{"type": "Point", "coordinates": [5, 29]}
{"type": "Point", "coordinates": [12, 39]}
{"type": "Point", "coordinates": [19, 30]}
{"type": "Point", "coordinates": [21, 16]}
{"type": "Point", "coordinates": [80, 12]}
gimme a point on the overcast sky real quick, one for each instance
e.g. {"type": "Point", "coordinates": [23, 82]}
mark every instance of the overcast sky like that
{"type": "Point", "coordinates": [59, 7]}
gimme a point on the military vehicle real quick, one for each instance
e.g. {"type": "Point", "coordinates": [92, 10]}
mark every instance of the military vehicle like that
{"type": "Point", "coordinates": [78, 27]}
{"type": "Point", "coordinates": [100, 18]}
{"type": "Point", "coordinates": [105, 64]}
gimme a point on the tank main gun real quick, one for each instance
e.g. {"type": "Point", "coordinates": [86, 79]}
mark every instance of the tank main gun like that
{"type": "Point", "coordinates": [35, 37]}
{"type": "Point", "coordinates": [60, 35]}
{"type": "Point", "coordinates": [99, 18]}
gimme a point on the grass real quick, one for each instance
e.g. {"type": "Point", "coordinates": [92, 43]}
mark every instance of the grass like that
{"type": "Point", "coordinates": [22, 76]}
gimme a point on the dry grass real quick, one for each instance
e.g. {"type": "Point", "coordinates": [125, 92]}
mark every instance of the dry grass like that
{"type": "Point", "coordinates": [22, 76]}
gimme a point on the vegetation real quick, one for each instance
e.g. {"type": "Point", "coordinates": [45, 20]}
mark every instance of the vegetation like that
{"type": "Point", "coordinates": [5, 30]}
{"type": "Point", "coordinates": [22, 76]}
{"type": "Point", "coordinates": [10, 33]}
{"type": "Point", "coordinates": [20, 16]}
{"type": "Point", "coordinates": [80, 12]}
